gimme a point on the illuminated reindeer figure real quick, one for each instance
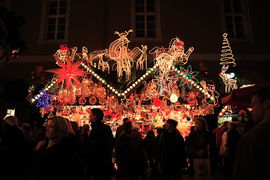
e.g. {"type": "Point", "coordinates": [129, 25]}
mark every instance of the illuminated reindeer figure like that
{"type": "Point", "coordinates": [230, 84]}
{"type": "Point", "coordinates": [119, 52]}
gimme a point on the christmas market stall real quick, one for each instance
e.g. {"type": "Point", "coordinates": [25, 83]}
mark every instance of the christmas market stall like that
{"type": "Point", "coordinates": [124, 83]}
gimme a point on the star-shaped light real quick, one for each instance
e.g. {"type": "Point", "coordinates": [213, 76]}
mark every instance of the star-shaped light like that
{"type": "Point", "coordinates": [187, 75]}
{"type": "Point", "coordinates": [43, 99]}
{"type": "Point", "coordinates": [68, 72]}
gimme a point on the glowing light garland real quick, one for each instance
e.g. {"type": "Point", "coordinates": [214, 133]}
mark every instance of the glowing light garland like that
{"type": "Point", "coordinates": [47, 87]}
{"type": "Point", "coordinates": [213, 97]}
{"type": "Point", "coordinates": [129, 89]}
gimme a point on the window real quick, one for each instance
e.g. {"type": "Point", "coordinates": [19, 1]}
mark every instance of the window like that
{"type": "Point", "coordinates": [146, 19]}
{"type": "Point", "coordinates": [56, 20]}
{"type": "Point", "coordinates": [236, 19]}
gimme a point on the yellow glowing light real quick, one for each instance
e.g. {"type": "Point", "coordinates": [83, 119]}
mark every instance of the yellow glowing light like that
{"type": "Point", "coordinates": [173, 98]}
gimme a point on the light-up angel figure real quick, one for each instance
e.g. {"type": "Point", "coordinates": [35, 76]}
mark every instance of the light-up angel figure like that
{"type": "Point", "coordinates": [166, 58]}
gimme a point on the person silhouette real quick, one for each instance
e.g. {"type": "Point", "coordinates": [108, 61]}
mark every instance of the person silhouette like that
{"type": "Point", "coordinates": [252, 156]}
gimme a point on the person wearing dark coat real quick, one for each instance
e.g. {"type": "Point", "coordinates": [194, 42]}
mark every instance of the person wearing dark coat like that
{"type": "Point", "coordinates": [138, 158]}
{"type": "Point", "coordinates": [120, 128]}
{"type": "Point", "coordinates": [99, 147]}
{"type": "Point", "coordinates": [123, 152]}
{"type": "Point", "coordinates": [172, 157]}
{"type": "Point", "coordinates": [56, 156]}
{"type": "Point", "coordinates": [253, 152]}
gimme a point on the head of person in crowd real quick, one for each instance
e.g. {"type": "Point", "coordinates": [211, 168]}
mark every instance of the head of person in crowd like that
{"type": "Point", "coordinates": [200, 124]}
{"type": "Point", "coordinates": [86, 128]}
{"type": "Point", "coordinates": [150, 134]}
{"type": "Point", "coordinates": [261, 105]}
{"type": "Point", "coordinates": [159, 130]}
{"type": "Point", "coordinates": [136, 127]}
{"type": "Point", "coordinates": [12, 121]}
{"type": "Point", "coordinates": [96, 115]}
{"type": "Point", "coordinates": [125, 120]}
{"type": "Point", "coordinates": [171, 125]}
{"type": "Point", "coordinates": [56, 128]}
{"type": "Point", "coordinates": [69, 127]}
{"type": "Point", "coordinates": [232, 125]}
{"type": "Point", "coordinates": [75, 126]}
{"type": "Point", "coordinates": [128, 127]}
{"type": "Point", "coordinates": [3, 109]}
{"type": "Point", "coordinates": [225, 126]}
{"type": "Point", "coordinates": [192, 128]}
{"type": "Point", "coordinates": [26, 127]}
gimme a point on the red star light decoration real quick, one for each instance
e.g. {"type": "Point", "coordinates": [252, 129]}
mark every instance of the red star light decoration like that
{"type": "Point", "coordinates": [68, 72]}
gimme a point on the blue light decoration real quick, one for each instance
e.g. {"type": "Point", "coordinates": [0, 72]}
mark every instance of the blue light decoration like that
{"type": "Point", "coordinates": [43, 99]}
{"type": "Point", "coordinates": [187, 75]}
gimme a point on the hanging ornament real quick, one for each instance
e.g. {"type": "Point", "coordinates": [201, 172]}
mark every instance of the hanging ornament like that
{"type": "Point", "coordinates": [173, 98]}
{"type": "Point", "coordinates": [157, 102]}
{"type": "Point", "coordinates": [82, 100]}
{"type": "Point", "coordinates": [92, 100]}
{"type": "Point", "coordinates": [108, 112]}
{"type": "Point", "coordinates": [101, 101]}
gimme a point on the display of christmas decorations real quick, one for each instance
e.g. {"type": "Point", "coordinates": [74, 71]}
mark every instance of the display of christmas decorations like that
{"type": "Point", "coordinates": [168, 89]}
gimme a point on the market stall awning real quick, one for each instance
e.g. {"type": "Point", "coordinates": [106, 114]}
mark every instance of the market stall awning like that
{"type": "Point", "coordinates": [242, 97]}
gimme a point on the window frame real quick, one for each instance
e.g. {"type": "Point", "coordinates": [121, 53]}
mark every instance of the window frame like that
{"type": "Point", "coordinates": [145, 14]}
{"type": "Point", "coordinates": [44, 22]}
{"type": "Point", "coordinates": [246, 21]}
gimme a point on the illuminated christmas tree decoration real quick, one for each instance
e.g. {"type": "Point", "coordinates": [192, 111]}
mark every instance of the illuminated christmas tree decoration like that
{"type": "Point", "coordinates": [227, 59]}
{"type": "Point", "coordinates": [226, 56]}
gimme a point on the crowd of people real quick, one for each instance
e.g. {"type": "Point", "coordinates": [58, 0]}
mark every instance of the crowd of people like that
{"type": "Point", "coordinates": [62, 150]}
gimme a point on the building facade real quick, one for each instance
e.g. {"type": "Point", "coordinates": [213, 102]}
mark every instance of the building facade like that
{"type": "Point", "coordinates": [200, 24]}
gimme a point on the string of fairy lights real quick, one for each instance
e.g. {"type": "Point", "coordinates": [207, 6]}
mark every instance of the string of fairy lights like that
{"type": "Point", "coordinates": [132, 86]}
